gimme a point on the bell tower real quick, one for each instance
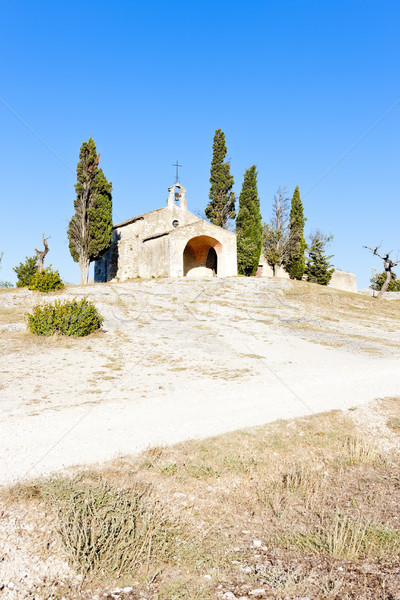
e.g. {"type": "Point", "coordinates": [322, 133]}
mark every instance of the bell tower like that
{"type": "Point", "coordinates": [176, 196]}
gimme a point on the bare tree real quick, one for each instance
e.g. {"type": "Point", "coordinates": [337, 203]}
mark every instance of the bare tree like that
{"type": "Point", "coordinates": [388, 266]}
{"type": "Point", "coordinates": [42, 253]}
{"type": "Point", "coordinates": [276, 234]}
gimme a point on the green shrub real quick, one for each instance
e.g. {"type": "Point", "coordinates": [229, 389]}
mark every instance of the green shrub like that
{"type": "Point", "coordinates": [46, 281]}
{"type": "Point", "coordinates": [26, 271]}
{"type": "Point", "coordinates": [71, 317]}
{"type": "Point", "coordinates": [378, 279]}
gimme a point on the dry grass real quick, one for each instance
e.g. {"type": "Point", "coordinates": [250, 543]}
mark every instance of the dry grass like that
{"type": "Point", "coordinates": [109, 530]}
{"type": "Point", "coordinates": [341, 319]}
{"type": "Point", "coordinates": [335, 304]}
{"type": "Point", "coordinates": [394, 424]}
{"type": "Point", "coordinates": [23, 343]}
{"type": "Point", "coordinates": [343, 536]}
{"type": "Point", "coordinates": [11, 315]}
{"type": "Point", "coordinates": [295, 508]}
{"type": "Point", "coordinates": [359, 451]}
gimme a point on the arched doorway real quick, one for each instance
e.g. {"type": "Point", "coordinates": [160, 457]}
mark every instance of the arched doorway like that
{"type": "Point", "coordinates": [200, 256]}
{"type": "Point", "coordinates": [212, 260]}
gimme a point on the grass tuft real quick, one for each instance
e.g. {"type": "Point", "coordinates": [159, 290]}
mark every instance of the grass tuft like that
{"type": "Point", "coordinates": [110, 530]}
{"type": "Point", "coordinates": [394, 424]}
{"type": "Point", "coordinates": [342, 536]}
{"type": "Point", "coordinates": [358, 451]}
{"type": "Point", "coordinates": [298, 476]}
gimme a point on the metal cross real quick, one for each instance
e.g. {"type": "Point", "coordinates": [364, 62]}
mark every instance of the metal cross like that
{"type": "Point", "coordinates": [177, 165]}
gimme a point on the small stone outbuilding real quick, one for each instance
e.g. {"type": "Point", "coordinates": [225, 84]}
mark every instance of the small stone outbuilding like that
{"type": "Point", "coordinates": [168, 242]}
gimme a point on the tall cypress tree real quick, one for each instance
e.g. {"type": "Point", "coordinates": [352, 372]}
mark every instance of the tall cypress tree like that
{"type": "Point", "coordinates": [249, 231]}
{"type": "Point", "coordinates": [295, 264]}
{"type": "Point", "coordinates": [221, 207]}
{"type": "Point", "coordinates": [90, 229]}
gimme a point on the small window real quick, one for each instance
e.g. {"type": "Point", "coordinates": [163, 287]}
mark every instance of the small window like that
{"type": "Point", "coordinates": [175, 223]}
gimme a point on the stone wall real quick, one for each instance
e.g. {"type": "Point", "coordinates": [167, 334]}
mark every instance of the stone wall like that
{"type": "Point", "coordinates": [106, 268]}
{"type": "Point", "coordinates": [154, 257]}
{"type": "Point", "coordinates": [341, 280]}
{"type": "Point", "coordinates": [267, 271]}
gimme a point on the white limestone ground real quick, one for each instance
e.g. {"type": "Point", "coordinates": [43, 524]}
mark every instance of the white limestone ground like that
{"type": "Point", "coordinates": [182, 359]}
{"type": "Point", "coordinates": [24, 571]}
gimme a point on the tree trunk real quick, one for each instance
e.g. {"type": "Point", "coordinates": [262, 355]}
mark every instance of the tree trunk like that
{"type": "Point", "coordinates": [388, 265]}
{"type": "Point", "coordinates": [386, 284]}
{"type": "Point", "coordinates": [274, 268]}
{"type": "Point", "coordinates": [84, 267]}
{"type": "Point", "coordinates": [41, 254]}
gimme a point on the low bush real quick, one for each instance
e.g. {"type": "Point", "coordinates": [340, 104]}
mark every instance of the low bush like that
{"type": "Point", "coordinates": [109, 530]}
{"type": "Point", "coordinates": [46, 281]}
{"type": "Point", "coordinates": [26, 271]}
{"type": "Point", "coordinates": [71, 317]}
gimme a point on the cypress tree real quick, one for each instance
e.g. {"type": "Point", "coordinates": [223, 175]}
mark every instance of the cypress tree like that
{"type": "Point", "coordinates": [249, 229]}
{"type": "Point", "coordinates": [90, 229]}
{"type": "Point", "coordinates": [295, 264]}
{"type": "Point", "coordinates": [221, 207]}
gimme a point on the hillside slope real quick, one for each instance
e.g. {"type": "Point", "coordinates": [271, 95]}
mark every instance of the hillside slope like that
{"type": "Point", "coordinates": [182, 359]}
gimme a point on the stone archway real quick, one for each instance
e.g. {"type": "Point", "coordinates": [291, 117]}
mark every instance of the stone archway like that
{"type": "Point", "coordinates": [212, 260]}
{"type": "Point", "coordinates": [200, 256]}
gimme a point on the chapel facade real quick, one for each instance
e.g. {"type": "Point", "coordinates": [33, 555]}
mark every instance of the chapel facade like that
{"type": "Point", "coordinates": [168, 242]}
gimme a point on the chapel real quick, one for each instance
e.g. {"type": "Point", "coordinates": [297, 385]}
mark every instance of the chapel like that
{"type": "Point", "coordinates": [168, 242]}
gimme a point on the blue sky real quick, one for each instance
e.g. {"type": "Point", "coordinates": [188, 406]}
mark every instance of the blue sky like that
{"type": "Point", "coordinates": [292, 84]}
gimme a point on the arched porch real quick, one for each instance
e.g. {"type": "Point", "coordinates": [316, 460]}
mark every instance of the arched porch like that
{"type": "Point", "coordinates": [200, 256]}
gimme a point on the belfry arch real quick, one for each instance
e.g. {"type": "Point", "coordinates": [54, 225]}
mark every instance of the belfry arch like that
{"type": "Point", "coordinates": [201, 255]}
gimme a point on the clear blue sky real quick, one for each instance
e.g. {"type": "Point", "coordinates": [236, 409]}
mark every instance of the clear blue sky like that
{"type": "Point", "coordinates": [293, 84]}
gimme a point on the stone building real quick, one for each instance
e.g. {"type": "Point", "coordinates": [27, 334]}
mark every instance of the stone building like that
{"type": "Point", "coordinates": [168, 242]}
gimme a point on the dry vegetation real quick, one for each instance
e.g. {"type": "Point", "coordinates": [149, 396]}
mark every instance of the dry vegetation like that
{"type": "Point", "coordinates": [343, 320]}
{"type": "Point", "coordinates": [306, 508]}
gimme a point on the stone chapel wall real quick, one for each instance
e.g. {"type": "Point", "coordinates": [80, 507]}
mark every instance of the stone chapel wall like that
{"type": "Point", "coordinates": [154, 257]}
